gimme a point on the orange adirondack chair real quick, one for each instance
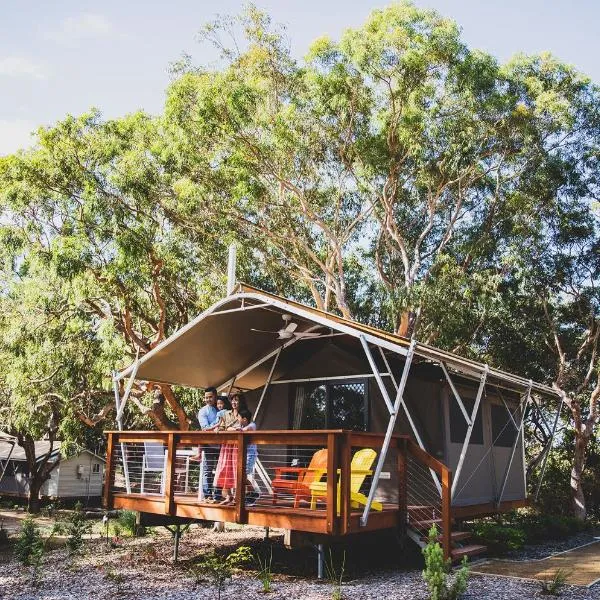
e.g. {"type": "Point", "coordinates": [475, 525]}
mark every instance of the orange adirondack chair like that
{"type": "Point", "coordinates": [299, 486]}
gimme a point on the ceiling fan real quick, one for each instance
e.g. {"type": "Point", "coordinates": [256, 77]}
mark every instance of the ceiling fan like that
{"type": "Point", "coordinates": [288, 331]}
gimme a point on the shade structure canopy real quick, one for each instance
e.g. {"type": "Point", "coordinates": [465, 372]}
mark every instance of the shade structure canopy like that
{"type": "Point", "coordinates": [220, 346]}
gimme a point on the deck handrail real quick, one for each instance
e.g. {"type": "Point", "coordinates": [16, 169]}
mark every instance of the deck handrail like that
{"type": "Point", "coordinates": [445, 474]}
{"type": "Point", "coordinates": [337, 513]}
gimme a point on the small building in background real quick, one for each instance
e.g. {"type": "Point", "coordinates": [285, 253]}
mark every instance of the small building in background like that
{"type": "Point", "coordinates": [78, 477]}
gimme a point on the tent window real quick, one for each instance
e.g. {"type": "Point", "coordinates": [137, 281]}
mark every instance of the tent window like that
{"type": "Point", "coordinates": [458, 425]}
{"type": "Point", "coordinates": [504, 432]}
{"type": "Point", "coordinates": [96, 468]}
{"type": "Point", "coordinates": [332, 405]}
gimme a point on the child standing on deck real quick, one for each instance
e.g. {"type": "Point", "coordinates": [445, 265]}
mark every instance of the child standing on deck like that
{"type": "Point", "coordinates": [247, 424]}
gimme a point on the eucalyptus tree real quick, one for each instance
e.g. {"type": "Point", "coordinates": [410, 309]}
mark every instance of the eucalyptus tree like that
{"type": "Point", "coordinates": [91, 202]}
{"type": "Point", "coordinates": [54, 366]}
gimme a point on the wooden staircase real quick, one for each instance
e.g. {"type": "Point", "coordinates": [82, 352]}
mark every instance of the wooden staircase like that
{"type": "Point", "coordinates": [420, 519]}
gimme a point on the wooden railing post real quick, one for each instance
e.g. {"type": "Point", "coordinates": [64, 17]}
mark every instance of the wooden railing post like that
{"type": "Point", "coordinates": [170, 474]}
{"type": "Point", "coordinates": [345, 475]}
{"type": "Point", "coordinates": [446, 511]}
{"type": "Point", "coordinates": [332, 496]}
{"type": "Point", "coordinates": [402, 489]}
{"type": "Point", "coordinates": [240, 483]}
{"type": "Point", "coordinates": [109, 477]}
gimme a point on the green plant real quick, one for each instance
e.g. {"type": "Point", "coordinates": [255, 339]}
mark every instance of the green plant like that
{"type": "Point", "coordinates": [436, 572]}
{"type": "Point", "coordinates": [76, 527]}
{"type": "Point", "coordinates": [335, 575]}
{"type": "Point", "coordinates": [219, 570]}
{"type": "Point", "coordinates": [29, 542]}
{"type": "Point", "coordinates": [117, 530]}
{"type": "Point", "coordinates": [127, 520]}
{"type": "Point", "coordinates": [265, 575]}
{"type": "Point", "coordinates": [499, 538]}
{"type": "Point", "coordinates": [554, 585]}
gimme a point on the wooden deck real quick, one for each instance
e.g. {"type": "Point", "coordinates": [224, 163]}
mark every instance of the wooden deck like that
{"type": "Point", "coordinates": [336, 513]}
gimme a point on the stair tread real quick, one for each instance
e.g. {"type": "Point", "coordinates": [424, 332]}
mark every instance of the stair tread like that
{"type": "Point", "coordinates": [470, 550]}
{"type": "Point", "coordinates": [455, 536]}
{"type": "Point", "coordinates": [424, 523]}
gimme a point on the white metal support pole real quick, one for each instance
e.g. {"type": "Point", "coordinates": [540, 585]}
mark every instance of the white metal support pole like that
{"type": "Point", "coordinates": [375, 370]}
{"type": "Point", "coordinates": [121, 407]}
{"type": "Point", "coordinates": [456, 394]}
{"type": "Point", "coordinates": [539, 485]}
{"type": "Point", "coordinates": [514, 448]}
{"type": "Point", "coordinates": [388, 434]}
{"type": "Point", "coordinates": [463, 452]}
{"type": "Point", "coordinates": [387, 366]}
{"type": "Point", "coordinates": [120, 427]}
{"type": "Point", "coordinates": [231, 265]}
{"type": "Point", "coordinates": [260, 361]}
{"type": "Point", "coordinates": [264, 392]}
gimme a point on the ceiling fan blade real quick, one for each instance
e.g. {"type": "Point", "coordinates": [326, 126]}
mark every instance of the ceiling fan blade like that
{"type": "Point", "coordinates": [263, 331]}
{"type": "Point", "coordinates": [291, 327]}
{"type": "Point", "coordinates": [307, 334]}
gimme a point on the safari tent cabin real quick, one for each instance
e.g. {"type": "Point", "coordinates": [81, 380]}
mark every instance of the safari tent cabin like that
{"type": "Point", "coordinates": [77, 477]}
{"type": "Point", "coordinates": [446, 433]}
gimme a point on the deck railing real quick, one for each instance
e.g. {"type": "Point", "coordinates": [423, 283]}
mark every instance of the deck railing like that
{"type": "Point", "coordinates": [315, 481]}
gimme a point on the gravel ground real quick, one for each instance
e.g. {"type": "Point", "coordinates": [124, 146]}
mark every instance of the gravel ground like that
{"type": "Point", "coordinates": [141, 569]}
{"type": "Point", "coordinates": [552, 547]}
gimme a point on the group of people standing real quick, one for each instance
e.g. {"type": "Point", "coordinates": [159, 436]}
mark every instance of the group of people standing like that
{"type": "Point", "coordinates": [220, 460]}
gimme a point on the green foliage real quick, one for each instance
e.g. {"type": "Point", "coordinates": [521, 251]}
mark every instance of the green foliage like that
{"type": "Point", "coordinates": [335, 574]}
{"type": "Point", "coordinates": [76, 527]}
{"type": "Point", "coordinates": [555, 585]}
{"type": "Point", "coordinates": [436, 573]}
{"type": "Point", "coordinates": [265, 574]}
{"type": "Point", "coordinates": [511, 531]}
{"type": "Point", "coordinates": [127, 521]}
{"type": "Point", "coordinates": [30, 545]}
{"type": "Point", "coordinates": [219, 569]}
{"type": "Point", "coordinates": [499, 538]}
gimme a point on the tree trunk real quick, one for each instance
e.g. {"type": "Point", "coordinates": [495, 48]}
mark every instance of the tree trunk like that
{"type": "Point", "coordinates": [579, 457]}
{"type": "Point", "coordinates": [34, 502]}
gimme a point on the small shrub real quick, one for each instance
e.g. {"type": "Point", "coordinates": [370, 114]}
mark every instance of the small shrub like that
{"type": "Point", "coordinates": [117, 530]}
{"type": "Point", "coordinates": [219, 570]}
{"type": "Point", "coordinates": [499, 538]}
{"type": "Point", "coordinates": [265, 575]}
{"type": "Point", "coordinates": [335, 576]}
{"type": "Point", "coordinates": [437, 570]}
{"type": "Point", "coordinates": [127, 520]}
{"type": "Point", "coordinates": [555, 585]}
{"type": "Point", "coordinates": [29, 542]}
{"type": "Point", "coordinates": [76, 527]}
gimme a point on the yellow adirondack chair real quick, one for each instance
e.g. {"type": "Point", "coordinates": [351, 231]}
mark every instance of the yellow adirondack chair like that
{"type": "Point", "coordinates": [359, 469]}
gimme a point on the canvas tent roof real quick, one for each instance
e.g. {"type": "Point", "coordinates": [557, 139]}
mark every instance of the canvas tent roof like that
{"type": "Point", "coordinates": [219, 345]}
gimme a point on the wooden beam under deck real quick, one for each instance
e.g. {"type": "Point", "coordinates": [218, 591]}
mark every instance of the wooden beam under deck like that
{"type": "Point", "coordinates": [301, 519]}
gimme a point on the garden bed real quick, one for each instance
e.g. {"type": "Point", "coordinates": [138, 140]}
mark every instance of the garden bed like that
{"type": "Point", "coordinates": [141, 568]}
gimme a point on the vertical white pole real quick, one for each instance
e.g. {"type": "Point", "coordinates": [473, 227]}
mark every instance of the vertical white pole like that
{"type": "Point", "coordinates": [231, 265]}
{"type": "Point", "coordinates": [120, 426]}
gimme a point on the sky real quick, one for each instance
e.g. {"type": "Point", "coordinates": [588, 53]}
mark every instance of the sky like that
{"type": "Point", "coordinates": [61, 57]}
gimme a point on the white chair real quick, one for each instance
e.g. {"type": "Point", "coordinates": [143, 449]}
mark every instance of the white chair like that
{"type": "Point", "coordinates": [154, 461]}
